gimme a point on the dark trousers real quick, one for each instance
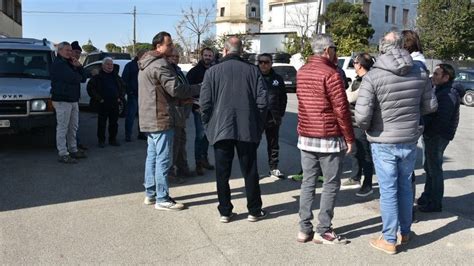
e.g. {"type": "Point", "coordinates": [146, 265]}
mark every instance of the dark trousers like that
{"type": "Point", "coordinates": [364, 158]}
{"type": "Point", "coordinates": [272, 132]}
{"type": "Point", "coordinates": [434, 185]}
{"type": "Point", "coordinates": [107, 111]}
{"type": "Point", "coordinates": [247, 153]}
{"type": "Point", "coordinates": [180, 160]}
{"type": "Point", "coordinates": [132, 111]}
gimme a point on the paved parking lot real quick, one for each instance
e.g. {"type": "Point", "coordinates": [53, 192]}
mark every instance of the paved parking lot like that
{"type": "Point", "coordinates": [92, 212]}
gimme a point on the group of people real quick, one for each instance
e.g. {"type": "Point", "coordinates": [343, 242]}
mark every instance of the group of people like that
{"type": "Point", "coordinates": [378, 119]}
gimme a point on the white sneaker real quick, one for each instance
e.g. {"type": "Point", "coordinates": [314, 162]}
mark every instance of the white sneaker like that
{"type": "Point", "coordinates": [276, 173]}
{"type": "Point", "coordinates": [169, 205]}
{"type": "Point", "coordinates": [225, 219]}
{"type": "Point", "coordinates": [149, 201]}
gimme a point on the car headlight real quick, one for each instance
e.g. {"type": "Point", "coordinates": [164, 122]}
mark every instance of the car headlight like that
{"type": "Point", "coordinates": [38, 105]}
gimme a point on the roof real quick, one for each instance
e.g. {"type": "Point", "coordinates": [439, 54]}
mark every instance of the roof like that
{"type": "Point", "coordinates": [25, 44]}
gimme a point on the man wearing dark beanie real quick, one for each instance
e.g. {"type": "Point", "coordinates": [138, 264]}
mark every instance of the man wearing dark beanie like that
{"type": "Point", "coordinates": [76, 53]}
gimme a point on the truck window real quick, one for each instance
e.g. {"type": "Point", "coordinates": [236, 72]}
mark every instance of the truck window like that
{"type": "Point", "coordinates": [24, 63]}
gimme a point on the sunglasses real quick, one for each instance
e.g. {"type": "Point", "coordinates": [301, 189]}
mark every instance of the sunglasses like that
{"type": "Point", "coordinates": [333, 47]}
{"type": "Point", "coordinates": [356, 62]}
{"type": "Point", "coordinates": [263, 62]}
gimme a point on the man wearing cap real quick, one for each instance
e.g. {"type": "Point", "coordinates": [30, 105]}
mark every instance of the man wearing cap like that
{"type": "Point", "coordinates": [76, 53]}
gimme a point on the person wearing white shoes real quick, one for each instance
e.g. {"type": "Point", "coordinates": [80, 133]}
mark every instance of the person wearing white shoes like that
{"type": "Point", "coordinates": [277, 100]}
{"type": "Point", "coordinates": [158, 92]}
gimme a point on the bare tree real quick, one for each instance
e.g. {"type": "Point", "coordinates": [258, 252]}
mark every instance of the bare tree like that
{"type": "Point", "coordinates": [304, 18]}
{"type": "Point", "coordinates": [194, 24]}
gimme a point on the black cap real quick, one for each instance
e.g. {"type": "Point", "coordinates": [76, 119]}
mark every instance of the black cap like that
{"type": "Point", "coordinates": [75, 46]}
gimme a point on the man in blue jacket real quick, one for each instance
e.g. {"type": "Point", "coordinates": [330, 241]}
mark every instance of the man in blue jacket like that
{"type": "Point", "coordinates": [233, 104]}
{"type": "Point", "coordinates": [440, 128]}
{"type": "Point", "coordinates": [130, 77]}
{"type": "Point", "coordinates": [66, 77]}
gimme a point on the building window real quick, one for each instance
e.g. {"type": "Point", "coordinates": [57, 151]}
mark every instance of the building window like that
{"type": "Point", "coordinates": [405, 18]}
{"type": "Point", "coordinates": [366, 8]}
{"type": "Point", "coordinates": [17, 12]}
{"type": "Point", "coordinates": [7, 7]}
{"type": "Point", "coordinates": [253, 12]}
{"type": "Point", "coordinates": [387, 10]}
{"type": "Point", "coordinates": [394, 14]}
{"type": "Point", "coordinates": [222, 11]}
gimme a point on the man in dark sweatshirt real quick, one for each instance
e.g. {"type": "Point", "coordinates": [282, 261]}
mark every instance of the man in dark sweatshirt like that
{"type": "Point", "coordinates": [277, 100]}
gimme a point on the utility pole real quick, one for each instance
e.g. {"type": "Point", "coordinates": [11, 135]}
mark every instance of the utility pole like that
{"type": "Point", "coordinates": [134, 29]}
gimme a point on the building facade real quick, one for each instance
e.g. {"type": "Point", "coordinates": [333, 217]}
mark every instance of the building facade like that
{"type": "Point", "coordinates": [237, 16]}
{"type": "Point", "coordinates": [301, 16]}
{"type": "Point", "coordinates": [10, 18]}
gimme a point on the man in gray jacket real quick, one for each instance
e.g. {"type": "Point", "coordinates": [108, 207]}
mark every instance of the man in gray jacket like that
{"type": "Point", "coordinates": [158, 93]}
{"type": "Point", "coordinates": [233, 106]}
{"type": "Point", "coordinates": [392, 98]}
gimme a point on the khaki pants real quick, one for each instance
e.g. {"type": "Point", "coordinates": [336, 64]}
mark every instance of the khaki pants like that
{"type": "Point", "coordinates": [67, 118]}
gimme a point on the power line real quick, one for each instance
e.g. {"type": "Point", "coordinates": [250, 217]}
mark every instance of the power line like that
{"type": "Point", "coordinates": [100, 13]}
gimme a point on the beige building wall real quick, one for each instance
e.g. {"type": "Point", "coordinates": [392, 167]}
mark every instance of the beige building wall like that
{"type": "Point", "coordinates": [237, 16]}
{"type": "Point", "coordinates": [11, 18]}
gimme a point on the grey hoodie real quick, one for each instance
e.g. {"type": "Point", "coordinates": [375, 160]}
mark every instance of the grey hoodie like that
{"type": "Point", "coordinates": [392, 97]}
{"type": "Point", "coordinates": [158, 90]}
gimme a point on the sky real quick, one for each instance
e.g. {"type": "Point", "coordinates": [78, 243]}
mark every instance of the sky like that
{"type": "Point", "coordinates": [103, 28]}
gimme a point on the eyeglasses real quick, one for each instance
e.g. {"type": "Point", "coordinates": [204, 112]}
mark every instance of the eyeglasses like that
{"type": "Point", "coordinates": [334, 47]}
{"type": "Point", "coordinates": [263, 62]}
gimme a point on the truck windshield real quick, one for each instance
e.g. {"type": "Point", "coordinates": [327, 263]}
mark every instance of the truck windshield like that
{"type": "Point", "coordinates": [25, 63]}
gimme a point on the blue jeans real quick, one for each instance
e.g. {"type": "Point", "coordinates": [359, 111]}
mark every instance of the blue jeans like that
{"type": "Point", "coordinates": [132, 109]}
{"type": "Point", "coordinates": [434, 185]}
{"type": "Point", "coordinates": [158, 164]}
{"type": "Point", "coordinates": [394, 165]}
{"type": "Point", "coordinates": [201, 144]}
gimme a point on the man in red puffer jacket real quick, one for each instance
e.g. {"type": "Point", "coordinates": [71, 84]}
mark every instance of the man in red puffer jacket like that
{"type": "Point", "coordinates": [325, 135]}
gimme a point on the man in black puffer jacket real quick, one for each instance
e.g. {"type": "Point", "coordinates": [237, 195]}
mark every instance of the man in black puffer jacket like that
{"type": "Point", "coordinates": [440, 128]}
{"type": "Point", "coordinates": [277, 100]}
{"type": "Point", "coordinates": [66, 77]}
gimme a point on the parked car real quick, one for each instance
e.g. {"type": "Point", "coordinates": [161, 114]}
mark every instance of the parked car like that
{"type": "Point", "coordinates": [93, 69]}
{"type": "Point", "coordinates": [25, 85]}
{"type": "Point", "coordinates": [466, 79]}
{"type": "Point", "coordinates": [98, 56]}
{"type": "Point", "coordinates": [347, 64]}
{"type": "Point", "coordinates": [288, 73]}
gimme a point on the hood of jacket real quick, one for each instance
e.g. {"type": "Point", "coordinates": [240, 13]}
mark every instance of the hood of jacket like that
{"type": "Point", "coordinates": [396, 61]}
{"type": "Point", "coordinates": [148, 58]}
{"type": "Point", "coordinates": [417, 56]}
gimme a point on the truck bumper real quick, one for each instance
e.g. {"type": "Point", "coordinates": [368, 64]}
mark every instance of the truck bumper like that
{"type": "Point", "coordinates": [18, 124]}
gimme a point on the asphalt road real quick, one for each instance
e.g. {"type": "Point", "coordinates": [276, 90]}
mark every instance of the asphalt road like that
{"type": "Point", "coordinates": [92, 212]}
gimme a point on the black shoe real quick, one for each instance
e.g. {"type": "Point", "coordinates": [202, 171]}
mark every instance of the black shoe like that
{"type": "Point", "coordinates": [205, 164]}
{"type": "Point", "coordinates": [82, 147]}
{"type": "Point", "coordinates": [101, 144]}
{"type": "Point", "coordinates": [114, 143]}
{"type": "Point", "coordinates": [364, 191]}
{"type": "Point", "coordinates": [429, 208]}
{"type": "Point", "coordinates": [128, 139]}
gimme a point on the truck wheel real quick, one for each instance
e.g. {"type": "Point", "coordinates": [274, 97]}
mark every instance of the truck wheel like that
{"type": "Point", "coordinates": [468, 98]}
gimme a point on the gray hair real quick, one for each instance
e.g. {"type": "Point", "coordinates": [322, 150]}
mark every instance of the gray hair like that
{"type": "Point", "coordinates": [108, 58]}
{"type": "Point", "coordinates": [61, 45]}
{"type": "Point", "coordinates": [391, 40]}
{"type": "Point", "coordinates": [233, 45]}
{"type": "Point", "coordinates": [321, 42]}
